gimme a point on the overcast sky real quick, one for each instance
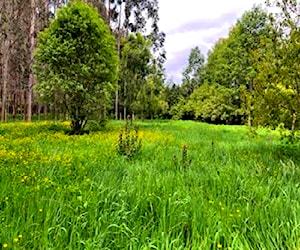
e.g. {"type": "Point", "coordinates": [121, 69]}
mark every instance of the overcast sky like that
{"type": "Point", "coordinates": [192, 23]}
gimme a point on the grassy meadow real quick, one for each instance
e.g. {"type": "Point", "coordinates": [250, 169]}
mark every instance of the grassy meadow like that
{"type": "Point", "coordinates": [191, 186]}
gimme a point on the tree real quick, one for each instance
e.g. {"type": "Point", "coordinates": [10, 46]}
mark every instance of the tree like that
{"type": "Point", "coordinates": [134, 69]}
{"type": "Point", "coordinates": [31, 47]}
{"type": "Point", "coordinates": [19, 23]}
{"type": "Point", "coordinates": [172, 95]}
{"type": "Point", "coordinates": [125, 17]}
{"type": "Point", "coordinates": [76, 64]}
{"type": "Point", "coordinates": [278, 79]}
{"type": "Point", "coordinates": [194, 72]}
{"type": "Point", "coordinates": [5, 36]}
{"type": "Point", "coordinates": [218, 66]}
{"type": "Point", "coordinates": [233, 61]}
{"type": "Point", "coordinates": [136, 16]}
{"type": "Point", "coordinates": [214, 103]}
{"type": "Point", "coordinates": [150, 101]}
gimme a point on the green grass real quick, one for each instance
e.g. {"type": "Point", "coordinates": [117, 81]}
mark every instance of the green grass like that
{"type": "Point", "coordinates": [230, 189]}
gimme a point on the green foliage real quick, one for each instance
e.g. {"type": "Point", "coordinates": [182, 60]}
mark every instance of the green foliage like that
{"type": "Point", "coordinates": [150, 102]}
{"type": "Point", "coordinates": [76, 63]}
{"type": "Point", "coordinates": [184, 163]}
{"type": "Point", "coordinates": [217, 68]}
{"type": "Point", "coordinates": [214, 103]}
{"type": "Point", "coordinates": [181, 110]}
{"type": "Point", "coordinates": [193, 74]}
{"type": "Point", "coordinates": [210, 103]}
{"type": "Point", "coordinates": [234, 61]}
{"type": "Point", "coordinates": [129, 143]}
{"type": "Point", "coordinates": [277, 82]}
{"type": "Point", "coordinates": [135, 67]}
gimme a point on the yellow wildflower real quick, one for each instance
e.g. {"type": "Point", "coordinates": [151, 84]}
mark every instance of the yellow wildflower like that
{"type": "Point", "coordinates": [5, 245]}
{"type": "Point", "coordinates": [219, 245]}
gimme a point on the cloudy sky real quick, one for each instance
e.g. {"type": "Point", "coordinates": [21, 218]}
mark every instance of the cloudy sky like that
{"type": "Point", "coordinates": [192, 23]}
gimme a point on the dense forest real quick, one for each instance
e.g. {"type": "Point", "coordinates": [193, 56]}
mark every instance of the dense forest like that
{"type": "Point", "coordinates": [251, 77]}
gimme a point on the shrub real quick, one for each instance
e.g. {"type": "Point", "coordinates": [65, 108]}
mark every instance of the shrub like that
{"type": "Point", "coordinates": [129, 143]}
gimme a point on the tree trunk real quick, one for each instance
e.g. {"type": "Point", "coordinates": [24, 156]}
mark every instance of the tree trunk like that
{"type": "Point", "coordinates": [119, 55]}
{"type": "Point", "coordinates": [117, 105]}
{"type": "Point", "coordinates": [250, 103]}
{"type": "Point", "coordinates": [294, 121]}
{"type": "Point", "coordinates": [108, 13]}
{"type": "Point", "coordinates": [5, 38]}
{"type": "Point", "coordinates": [5, 77]}
{"type": "Point", "coordinates": [31, 77]}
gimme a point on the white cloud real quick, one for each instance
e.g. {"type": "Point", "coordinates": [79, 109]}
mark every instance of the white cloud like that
{"type": "Point", "coordinates": [193, 23]}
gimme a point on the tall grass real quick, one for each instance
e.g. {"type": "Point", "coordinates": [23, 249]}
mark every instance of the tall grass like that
{"type": "Point", "coordinates": [192, 186]}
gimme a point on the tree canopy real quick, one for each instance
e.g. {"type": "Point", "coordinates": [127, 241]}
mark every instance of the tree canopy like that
{"type": "Point", "coordinates": [76, 64]}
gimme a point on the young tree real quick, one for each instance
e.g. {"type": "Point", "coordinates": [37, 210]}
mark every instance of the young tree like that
{"type": "Point", "coordinates": [232, 62]}
{"type": "Point", "coordinates": [150, 102]}
{"type": "Point", "coordinates": [135, 16]}
{"type": "Point", "coordinates": [281, 66]}
{"type": "Point", "coordinates": [134, 69]}
{"type": "Point", "coordinates": [31, 47]}
{"type": "Point", "coordinates": [76, 64]}
{"type": "Point", "coordinates": [193, 73]}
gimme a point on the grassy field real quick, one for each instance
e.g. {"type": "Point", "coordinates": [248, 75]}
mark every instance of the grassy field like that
{"type": "Point", "coordinates": [192, 186]}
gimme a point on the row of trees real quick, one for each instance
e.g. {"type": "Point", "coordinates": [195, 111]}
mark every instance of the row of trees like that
{"type": "Point", "coordinates": [250, 77]}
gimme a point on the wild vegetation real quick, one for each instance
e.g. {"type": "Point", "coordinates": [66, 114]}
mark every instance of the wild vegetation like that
{"type": "Point", "coordinates": [250, 77]}
{"type": "Point", "coordinates": [191, 186]}
{"type": "Point", "coordinates": [73, 183]}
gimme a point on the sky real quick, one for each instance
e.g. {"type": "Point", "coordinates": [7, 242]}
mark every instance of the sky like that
{"type": "Point", "coordinates": [192, 23]}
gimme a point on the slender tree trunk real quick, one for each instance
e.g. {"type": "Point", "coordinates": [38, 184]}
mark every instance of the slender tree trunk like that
{"type": "Point", "coordinates": [5, 78]}
{"type": "Point", "coordinates": [31, 77]}
{"type": "Point", "coordinates": [119, 55]}
{"type": "Point", "coordinates": [125, 101]}
{"type": "Point", "coordinates": [117, 105]}
{"type": "Point", "coordinates": [109, 13]}
{"type": "Point", "coordinates": [294, 120]}
{"type": "Point", "coordinates": [6, 15]}
{"type": "Point", "coordinates": [250, 103]}
{"type": "Point", "coordinates": [45, 111]}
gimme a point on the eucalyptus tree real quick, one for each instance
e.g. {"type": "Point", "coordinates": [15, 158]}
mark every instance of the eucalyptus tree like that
{"type": "Point", "coordinates": [136, 16]}
{"type": "Point", "coordinates": [193, 74]}
{"type": "Point", "coordinates": [150, 102]}
{"type": "Point", "coordinates": [19, 23]}
{"type": "Point", "coordinates": [134, 69]}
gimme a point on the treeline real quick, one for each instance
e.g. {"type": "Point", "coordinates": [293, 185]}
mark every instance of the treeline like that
{"type": "Point", "coordinates": [251, 77]}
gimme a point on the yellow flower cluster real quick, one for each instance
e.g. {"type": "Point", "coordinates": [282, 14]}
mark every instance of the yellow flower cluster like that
{"type": "Point", "coordinates": [15, 240]}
